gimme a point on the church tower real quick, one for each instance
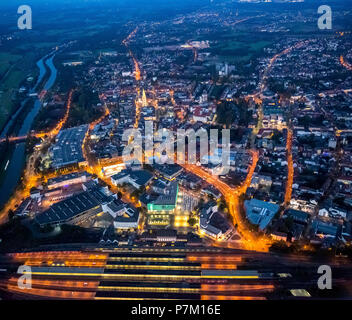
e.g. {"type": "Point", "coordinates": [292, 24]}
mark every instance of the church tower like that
{"type": "Point", "coordinates": [144, 99]}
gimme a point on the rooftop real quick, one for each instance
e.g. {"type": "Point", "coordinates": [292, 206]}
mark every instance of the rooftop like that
{"type": "Point", "coordinates": [69, 208]}
{"type": "Point", "coordinates": [68, 177]}
{"type": "Point", "coordinates": [260, 212]}
{"type": "Point", "coordinates": [68, 147]}
{"type": "Point", "coordinates": [166, 201]}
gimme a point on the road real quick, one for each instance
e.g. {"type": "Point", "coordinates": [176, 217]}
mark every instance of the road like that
{"type": "Point", "coordinates": [290, 169]}
{"type": "Point", "coordinates": [345, 63]}
{"type": "Point", "coordinates": [249, 240]}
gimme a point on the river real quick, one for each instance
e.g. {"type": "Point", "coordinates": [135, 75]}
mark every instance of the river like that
{"type": "Point", "coordinates": [16, 163]}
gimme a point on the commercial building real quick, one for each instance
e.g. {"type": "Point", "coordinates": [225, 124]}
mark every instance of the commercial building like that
{"type": "Point", "coordinates": [136, 178]}
{"type": "Point", "coordinates": [125, 217]}
{"type": "Point", "coordinates": [68, 179]}
{"type": "Point", "coordinates": [75, 209]}
{"type": "Point", "coordinates": [168, 171]}
{"type": "Point", "coordinates": [159, 211]}
{"type": "Point", "coordinates": [212, 223]}
{"type": "Point", "coordinates": [68, 147]}
{"type": "Point", "coordinates": [109, 171]}
{"type": "Point", "coordinates": [260, 212]}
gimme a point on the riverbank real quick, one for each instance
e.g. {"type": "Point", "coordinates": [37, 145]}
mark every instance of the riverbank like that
{"type": "Point", "coordinates": [15, 164]}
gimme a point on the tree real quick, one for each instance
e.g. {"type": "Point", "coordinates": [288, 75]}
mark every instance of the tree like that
{"type": "Point", "coordinates": [192, 221]}
{"type": "Point", "coordinates": [225, 114]}
{"type": "Point", "coordinates": [11, 214]}
{"type": "Point", "coordinates": [280, 246]}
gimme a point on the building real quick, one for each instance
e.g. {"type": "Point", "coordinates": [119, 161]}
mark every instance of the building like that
{"type": "Point", "coordinates": [159, 186]}
{"type": "Point", "coordinates": [168, 171]}
{"type": "Point", "coordinates": [112, 170]}
{"type": "Point", "coordinates": [324, 229]}
{"type": "Point", "coordinates": [136, 178]}
{"type": "Point", "coordinates": [159, 210]}
{"type": "Point", "coordinates": [298, 216]}
{"type": "Point", "coordinates": [261, 181]}
{"type": "Point", "coordinates": [279, 236]}
{"type": "Point", "coordinates": [260, 212]}
{"type": "Point", "coordinates": [162, 235]}
{"type": "Point", "coordinates": [74, 209]}
{"type": "Point", "coordinates": [68, 147]}
{"type": "Point", "coordinates": [212, 223]}
{"type": "Point", "coordinates": [125, 217]}
{"type": "Point", "coordinates": [68, 179]}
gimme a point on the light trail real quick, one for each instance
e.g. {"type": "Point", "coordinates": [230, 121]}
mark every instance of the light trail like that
{"type": "Point", "coordinates": [150, 289]}
{"type": "Point", "coordinates": [236, 287]}
{"type": "Point", "coordinates": [60, 284]}
{"type": "Point", "coordinates": [213, 258]}
{"type": "Point", "coordinates": [49, 293]}
{"type": "Point", "coordinates": [140, 277]}
{"type": "Point", "coordinates": [136, 64]}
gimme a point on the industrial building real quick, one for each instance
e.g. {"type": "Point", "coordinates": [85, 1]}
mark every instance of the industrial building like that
{"type": "Point", "coordinates": [75, 209]}
{"type": "Point", "coordinates": [68, 147]}
{"type": "Point", "coordinates": [68, 179]}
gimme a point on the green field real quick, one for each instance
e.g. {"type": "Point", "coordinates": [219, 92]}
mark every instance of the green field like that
{"type": "Point", "coordinates": [38, 45]}
{"type": "Point", "coordinates": [6, 61]}
{"type": "Point", "coordinates": [238, 50]}
{"type": "Point", "coordinates": [14, 69]}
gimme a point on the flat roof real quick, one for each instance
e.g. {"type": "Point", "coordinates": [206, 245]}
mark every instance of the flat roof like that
{"type": "Point", "coordinates": [260, 212]}
{"type": "Point", "coordinates": [166, 201]}
{"type": "Point", "coordinates": [140, 177]}
{"type": "Point", "coordinates": [168, 170]}
{"type": "Point", "coordinates": [68, 147]}
{"type": "Point", "coordinates": [68, 177]}
{"type": "Point", "coordinates": [71, 207]}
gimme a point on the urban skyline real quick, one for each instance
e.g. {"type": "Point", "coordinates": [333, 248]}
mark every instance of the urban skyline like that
{"type": "Point", "coordinates": [194, 150]}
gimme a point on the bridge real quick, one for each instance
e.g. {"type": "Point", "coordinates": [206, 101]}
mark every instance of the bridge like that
{"type": "Point", "coordinates": [23, 138]}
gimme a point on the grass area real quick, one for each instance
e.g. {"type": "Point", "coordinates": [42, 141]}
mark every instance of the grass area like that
{"type": "Point", "coordinates": [8, 88]}
{"type": "Point", "coordinates": [38, 45]}
{"type": "Point", "coordinates": [16, 68]}
{"type": "Point", "coordinates": [238, 47]}
{"type": "Point", "coordinates": [6, 61]}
